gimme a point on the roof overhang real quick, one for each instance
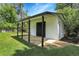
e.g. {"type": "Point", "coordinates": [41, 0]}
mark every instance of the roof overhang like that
{"type": "Point", "coordinates": [40, 14]}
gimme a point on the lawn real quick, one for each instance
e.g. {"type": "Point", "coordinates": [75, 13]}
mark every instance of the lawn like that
{"type": "Point", "coordinates": [10, 45]}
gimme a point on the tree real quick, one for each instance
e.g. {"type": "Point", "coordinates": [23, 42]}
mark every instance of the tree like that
{"type": "Point", "coordinates": [7, 16]}
{"type": "Point", "coordinates": [71, 18]}
{"type": "Point", "coordinates": [22, 14]}
{"type": "Point", "coordinates": [62, 5]}
{"type": "Point", "coordinates": [8, 13]}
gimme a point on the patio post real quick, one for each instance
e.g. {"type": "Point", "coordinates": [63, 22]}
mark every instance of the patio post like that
{"type": "Point", "coordinates": [42, 31]}
{"type": "Point", "coordinates": [17, 29]}
{"type": "Point", "coordinates": [22, 30]}
{"type": "Point", "coordinates": [29, 31]}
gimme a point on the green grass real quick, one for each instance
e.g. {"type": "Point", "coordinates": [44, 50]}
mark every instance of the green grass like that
{"type": "Point", "coordinates": [11, 45]}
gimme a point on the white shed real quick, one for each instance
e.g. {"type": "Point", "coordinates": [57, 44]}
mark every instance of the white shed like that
{"type": "Point", "coordinates": [52, 27]}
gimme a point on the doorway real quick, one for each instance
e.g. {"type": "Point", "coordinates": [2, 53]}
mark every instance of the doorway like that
{"type": "Point", "coordinates": [39, 29]}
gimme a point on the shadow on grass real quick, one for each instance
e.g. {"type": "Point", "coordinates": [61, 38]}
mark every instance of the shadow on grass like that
{"type": "Point", "coordinates": [24, 42]}
{"type": "Point", "coordinates": [38, 51]}
{"type": "Point", "coordinates": [34, 49]}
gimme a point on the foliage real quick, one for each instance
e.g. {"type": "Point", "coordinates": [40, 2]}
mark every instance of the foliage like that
{"type": "Point", "coordinates": [71, 18]}
{"type": "Point", "coordinates": [7, 16]}
{"type": "Point", "coordinates": [8, 13]}
{"type": "Point", "coordinates": [62, 5]}
{"type": "Point", "coordinates": [21, 14]}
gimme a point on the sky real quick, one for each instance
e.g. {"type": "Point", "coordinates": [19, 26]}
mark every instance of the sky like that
{"type": "Point", "coordinates": [36, 8]}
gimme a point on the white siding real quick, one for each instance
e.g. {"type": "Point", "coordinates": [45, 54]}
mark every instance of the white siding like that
{"type": "Point", "coordinates": [61, 29]}
{"type": "Point", "coordinates": [52, 26]}
{"type": "Point", "coordinates": [33, 25]}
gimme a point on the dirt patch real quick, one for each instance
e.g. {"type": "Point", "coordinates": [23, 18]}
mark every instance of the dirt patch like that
{"type": "Point", "coordinates": [47, 42]}
{"type": "Point", "coordinates": [55, 43]}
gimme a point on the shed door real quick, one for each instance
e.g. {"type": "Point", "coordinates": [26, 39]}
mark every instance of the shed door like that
{"type": "Point", "coordinates": [39, 29]}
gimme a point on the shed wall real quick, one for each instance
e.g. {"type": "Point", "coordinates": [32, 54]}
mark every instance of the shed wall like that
{"type": "Point", "coordinates": [52, 26]}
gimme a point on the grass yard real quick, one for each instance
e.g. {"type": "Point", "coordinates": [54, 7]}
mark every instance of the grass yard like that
{"type": "Point", "coordinates": [11, 45]}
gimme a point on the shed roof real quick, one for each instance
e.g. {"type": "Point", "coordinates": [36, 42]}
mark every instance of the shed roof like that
{"type": "Point", "coordinates": [40, 14]}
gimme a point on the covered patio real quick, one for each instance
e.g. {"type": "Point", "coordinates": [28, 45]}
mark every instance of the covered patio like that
{"type": "Point", "coordinates": [28, 37]}
{"type": "Point", "coordinates": [34, 39]}
{"type": "Point", "coordinates": [37, 40]}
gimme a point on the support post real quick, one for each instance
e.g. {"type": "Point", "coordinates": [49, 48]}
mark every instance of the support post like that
{"type": "Point", "coordinates": [22, 30]}
{"type": "Point", "coordinates": [17, 29]}
{"type": "Point", "coordinates": [42, 31]}
{"type": "Point", "coordinates": [29, 31]}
